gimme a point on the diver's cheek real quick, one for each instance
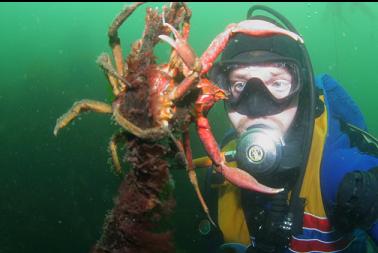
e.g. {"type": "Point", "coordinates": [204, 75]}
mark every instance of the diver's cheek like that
{"type": "Point", "coordinates": [286, 117]}
{"type": "Point", "coordinates": [242, 122]}
{"type": "Point", "coordinates": [238, 121]}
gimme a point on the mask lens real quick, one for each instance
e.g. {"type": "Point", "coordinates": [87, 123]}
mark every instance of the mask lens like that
{"type": "Point", "coordinates": [280, 88]}
{"type": "Point", "coordinates": [283, 88]}
{"type": "Point", "coordinates": [237, 88]}
{"type": "Point", "coordinates": [283, 82]}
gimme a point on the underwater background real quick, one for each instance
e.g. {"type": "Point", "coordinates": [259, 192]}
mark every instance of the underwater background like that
{"type": "Point", "coordinates": [55, 191]}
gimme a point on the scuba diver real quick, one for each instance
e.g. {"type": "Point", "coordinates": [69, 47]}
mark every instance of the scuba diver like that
{"type": "Point", "coordinates": [297, 132]}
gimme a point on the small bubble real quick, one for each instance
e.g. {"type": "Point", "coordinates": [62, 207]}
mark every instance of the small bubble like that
{"type": "Point", "coordinates": [343, 34]}
{"type": "Point", "coordinates": [60, 222]}
{"type": "Point", "coordinates": [355, 48]}
{"type": "Point", "coordinates": [204, 227]}
{"type": "Point", "coordinates": [316, 12]}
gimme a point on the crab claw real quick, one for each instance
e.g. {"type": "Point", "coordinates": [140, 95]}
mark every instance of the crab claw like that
{"type": "Point", "coordinates": [258, 28]}
{"type": "Point", "coordinates": [263, 28]}
{"type": "Point", "coordinates": [244, 180]}
{"type": "Point", "coordinates": [235, 176]}
{"type": "Point", "coordinates": [182, 47]}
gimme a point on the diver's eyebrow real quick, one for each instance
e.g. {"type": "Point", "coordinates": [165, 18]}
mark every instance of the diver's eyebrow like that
{"type": "Point", "coordinates": [238, 76]}
{"type": "Point", "coordinates": [238, 80]}
{"type": "Point", "coordinates": [276, 71]}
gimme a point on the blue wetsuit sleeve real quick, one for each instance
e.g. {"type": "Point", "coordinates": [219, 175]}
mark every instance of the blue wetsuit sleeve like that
{"type": "Point", "coordinates": [339, 158]}
{"type": "Point", "coordinates": [339, 103]}
{"type": "Point", "coordinates": [336, 164]}
{"type": "Point", "coordinates": [373, 232]}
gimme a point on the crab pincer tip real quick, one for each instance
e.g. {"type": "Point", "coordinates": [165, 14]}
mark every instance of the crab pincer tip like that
{"type": "Point", "coordinates": [279, 190]}
{"type": "Point", "coordinates": [168, 39]}
{"type": "Point", "coordinates": [269, 190]}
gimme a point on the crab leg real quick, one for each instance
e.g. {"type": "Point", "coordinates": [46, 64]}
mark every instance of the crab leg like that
{"type": "Point", "coordinates": [186, 24]}
{"type": "Point", "coordinates": [216, 47]}
{"type": "Point", "coordinates": [77, 108]}
{"type": "Point", "coordinates": [113, 151]}
{"type": "Point", "coordinates": [184, 86]}
{"type": "Point", "coordinates": [192, 175]}
{"type": "Point", "coordinates": [105, 63]}
{"type": "Point", "coordinates": [187, 158]}
{"type": "Point", "coordinates": [114, 41]}
{"type": "Point", "coordinates": [149, 133]}
{"type": "Point", "coordinates": [249, 27]}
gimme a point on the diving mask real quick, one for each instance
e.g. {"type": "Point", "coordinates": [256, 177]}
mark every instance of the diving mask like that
{"type": "Point", "coordinates": [262, 90]}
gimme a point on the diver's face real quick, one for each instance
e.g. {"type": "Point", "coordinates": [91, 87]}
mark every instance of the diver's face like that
{"type": "Point", "coordinates": [278, 81]}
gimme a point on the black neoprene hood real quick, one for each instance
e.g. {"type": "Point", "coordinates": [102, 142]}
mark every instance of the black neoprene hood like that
{"type": "Point", "coordinates": [245, 49]}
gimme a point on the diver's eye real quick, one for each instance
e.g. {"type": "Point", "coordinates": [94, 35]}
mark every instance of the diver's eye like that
{"type": "Point", "coordinates": [238, 86]}
{"type": "Point", "coordinates": [281, 85]}
{"type": "Point", "coordinates": [280, 88]}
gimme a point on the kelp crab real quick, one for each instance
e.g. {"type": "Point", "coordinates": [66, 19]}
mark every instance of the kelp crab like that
{"type": "Point", "coordinates": [154, 105]}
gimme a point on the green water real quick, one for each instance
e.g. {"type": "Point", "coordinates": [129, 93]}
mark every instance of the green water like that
{"type": "Point", "coordinates": [54, 191]}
